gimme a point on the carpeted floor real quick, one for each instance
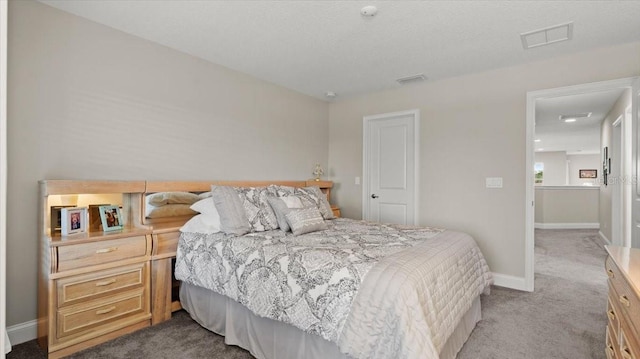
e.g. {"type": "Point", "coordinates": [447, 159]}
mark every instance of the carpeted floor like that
{"type": "Point", "coordinates": [563, 318]}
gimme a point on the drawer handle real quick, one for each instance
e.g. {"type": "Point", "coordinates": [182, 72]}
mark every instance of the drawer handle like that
{"type": "Point", "coordinates": [110, 281]}
{"type": "Point", "coordinates": [624, 300]}
{"type": "Point", "coordinates": [626, 353]}
{"type": "Point", "coordinates": [610, 314]}
{"type": "Point", "coordinates": [106, 250]}
{"type": "Point", "coordinates": [610, 273]}
{"type": "Point", "coordinates": [105, 311]}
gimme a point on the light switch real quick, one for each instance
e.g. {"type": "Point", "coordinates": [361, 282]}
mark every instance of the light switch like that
{"type": "Point", "coordinates": [357, 180]}
{"type": "Point", "coordinates": [493, 182]}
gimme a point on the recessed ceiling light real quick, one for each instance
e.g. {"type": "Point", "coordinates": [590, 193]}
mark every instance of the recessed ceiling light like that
{"type": "Point", "coordinates": [540, 149]}
{"type": "Point", "coordinates": [570, 120]}
{"type": "Point", "coordinates": [537, 140]}
{"type": "Point", "coordinates": [574, 116]}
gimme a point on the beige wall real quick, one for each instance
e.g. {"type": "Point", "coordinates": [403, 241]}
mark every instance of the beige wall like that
{"type": "Point", "coordinates": [566, 205]}
{"type": "Point", "coordinates": [606, 133]}
{"type": "Point", "coordinates": [90, 102]}
{"type": "Point", "coordinates": [584, 162]}
{"type": "Point", "coordinates": [555, 167]}
{"type": "Point", "coordinates": [472, 127]}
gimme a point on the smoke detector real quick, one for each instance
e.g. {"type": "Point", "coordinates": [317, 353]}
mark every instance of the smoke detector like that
{"type": "Point", "coordinates": [369, 11]}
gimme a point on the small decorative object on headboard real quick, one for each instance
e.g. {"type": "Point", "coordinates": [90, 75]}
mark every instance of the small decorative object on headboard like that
{"type": "Point", "coordinates": [318, 171]}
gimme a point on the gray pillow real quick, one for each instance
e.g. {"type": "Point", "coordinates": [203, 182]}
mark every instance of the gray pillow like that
{"type": "Point", "coordinates": [314, 195]}
{"type": "Point", "coordinates": [233, 219]}
{"type": "Point", "coordinates": [281, 209]}
{"type": "Point", "coordinates": [305, 220]}
{"type": "Point", "coordinates": [257, 209]}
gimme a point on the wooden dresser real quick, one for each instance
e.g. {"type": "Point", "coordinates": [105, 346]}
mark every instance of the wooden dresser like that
{"type": "Point", "coordinates": [623, 308]}
{"type": "Point", "coordinates": [93, 286]}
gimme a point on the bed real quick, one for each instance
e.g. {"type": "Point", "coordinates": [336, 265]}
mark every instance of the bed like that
{"type": "Point", "coordinates": [341, 289]}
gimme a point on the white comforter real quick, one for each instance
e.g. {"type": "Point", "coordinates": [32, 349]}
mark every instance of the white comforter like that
{"type": "Point", "coordinates": [411, 302]}
{"type": "Point", "coordinates": [377, 291]}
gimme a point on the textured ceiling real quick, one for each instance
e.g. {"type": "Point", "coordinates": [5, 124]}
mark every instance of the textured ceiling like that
{"type": "Point", "coordinates": [316, 46]}
{"type": "Point", "coordinates": [582, 136]}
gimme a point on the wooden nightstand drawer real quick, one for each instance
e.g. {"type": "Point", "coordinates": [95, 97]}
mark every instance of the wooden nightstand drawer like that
{"type": "Point", "coordinates": [87, 317]}
{"type": "Point", "coordinates": [165, 244]}
{"type": "Point", "coordinates": [93, 253]}
{"type": "Point", "coordinates": [336, 212]}
{"type": "Point", "coordinates": [84, 287]}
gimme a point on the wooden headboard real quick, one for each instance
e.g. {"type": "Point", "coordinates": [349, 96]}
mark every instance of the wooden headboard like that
{"type": "Point", "coordinates": [205, 186]}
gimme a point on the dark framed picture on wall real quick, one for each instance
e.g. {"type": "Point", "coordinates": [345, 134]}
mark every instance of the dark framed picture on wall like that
{"type": "Point", "coordinates": [588, 173]}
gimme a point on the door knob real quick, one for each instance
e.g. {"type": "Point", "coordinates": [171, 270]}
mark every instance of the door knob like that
{"type": "Point", "coordinates": [374, 196]}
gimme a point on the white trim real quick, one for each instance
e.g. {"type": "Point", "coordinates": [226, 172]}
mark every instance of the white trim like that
{"type": "Point", "coordinates": [510, 281]}
{"type": "Point", "coordinates": [596, 188]}
{"type": "Point", "coordinates": [23, 332]}
{"type": "Point", "coordinates": [416, 165]}
{"type": "Point", "coordinates": [532, 97]}
{"type": "Point", "coordinates": [604, 238]}
{"type": "Point", "coordinates": [567, 225]}
{"type": "Point", "coordinates": [5, 344]}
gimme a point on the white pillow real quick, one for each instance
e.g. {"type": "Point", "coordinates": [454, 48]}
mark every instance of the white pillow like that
{"type": "Point", "coordinates": [205, 205]}
{"type": "Point", "coordinates": [202, 223]}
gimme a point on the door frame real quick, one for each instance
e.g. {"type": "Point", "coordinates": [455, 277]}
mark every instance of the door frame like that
{"type": "Point", "coordinates": [532, 97]}
{"type": "Point", "coordinates": [366, 121]}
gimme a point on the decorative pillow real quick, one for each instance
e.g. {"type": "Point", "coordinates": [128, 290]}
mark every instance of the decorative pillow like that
{"type": "Point", "coordinates": [233, 219]}
{"type": "Point", "coordinates": [163, 198]}
{"type": "Point", "coordinates": [283, 205]}
{"type": "Point", "coordinates": [305, 220]}
{"type": "Point", "coordinates": [205, 206]}
{"type": "Point", "coordinates": [204, 195]}
{"type": "Point", "coordinates": [257, 209]}
{"type": "Point", "coordinates": [168, 210]}
{"type": "Point", "coordinates": [314, 196]}
{"type": "Point", "coordinates": [280, 191]}
{"type": "Point", "coordinates": [202, 223]}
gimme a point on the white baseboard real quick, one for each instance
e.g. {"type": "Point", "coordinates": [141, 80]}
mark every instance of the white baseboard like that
{"type": "Point", "coordinates": [509, 281]}
{"type": "Point", "coordinates": [567, 225]}
{"type": "Point", "coordinates": [604, 237]}
{"type": "Point", "coordinates": [23, 332]}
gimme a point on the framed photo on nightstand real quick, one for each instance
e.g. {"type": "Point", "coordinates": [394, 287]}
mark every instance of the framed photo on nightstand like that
{"type": "Point", "coordinates": [74, 220]}
{"type": "Point", "coordinates": [111, 218]}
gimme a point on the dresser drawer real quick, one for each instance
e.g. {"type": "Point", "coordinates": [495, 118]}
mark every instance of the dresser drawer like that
{"type": "Point", "coordinates": [93, 315]}
{"type": "Point", "coordinates": [88, 254]}
{"type": "Point", "coordinates": [627, 305]}
{"type": "Point", "coordinates": [165, 243]}
{"type": "Point", "coordinates": [613, 317]}
{"type": "Point", "coordinates": [85, 287]}
{"type": "Point", "coordinates": [628, 346]}
{"type": "Point", "coordinates": [611, 345]}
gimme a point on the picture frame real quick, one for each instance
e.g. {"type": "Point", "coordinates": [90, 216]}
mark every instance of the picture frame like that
{"type": "Point", "coordinates": [95, 222]}
{"type": "Point", "coordinates": [73, 220]}
{"type": "Point", "coordinates": [588, 173]}
{"type": "Point", "coordinates": [111, 218]}
{"type": "Point", "coordinates": [56, 218]}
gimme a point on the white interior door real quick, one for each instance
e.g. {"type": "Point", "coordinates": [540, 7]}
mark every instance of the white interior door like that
{"type": "Point", "coordinates": [390, 155]}
{"type": "Point", "coordinates": [635, 209]}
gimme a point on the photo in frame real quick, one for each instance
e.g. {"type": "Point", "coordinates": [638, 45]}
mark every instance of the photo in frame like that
{"type": "Point", "coordinates": [111, 218]}
{"type": "Point", "coordinates": [74, 220]}
{"type": "Point", "coordinates": [56, 218]}
{"type": "Point", "coordinates": [588, 173]}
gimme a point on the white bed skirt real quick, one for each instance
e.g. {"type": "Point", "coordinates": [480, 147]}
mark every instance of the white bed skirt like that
{"type": "Point", "coordinates": [269, 339]}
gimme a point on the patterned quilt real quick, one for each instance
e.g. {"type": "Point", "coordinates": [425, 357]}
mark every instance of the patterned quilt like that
{"type": "Point", "coordinates": [311, 281]}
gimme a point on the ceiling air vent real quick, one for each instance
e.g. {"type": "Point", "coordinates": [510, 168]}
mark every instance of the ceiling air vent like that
{"type": "Point", "coordinates": [548, 35]}
{"type": "Point", "coordinates": [411, 79]}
